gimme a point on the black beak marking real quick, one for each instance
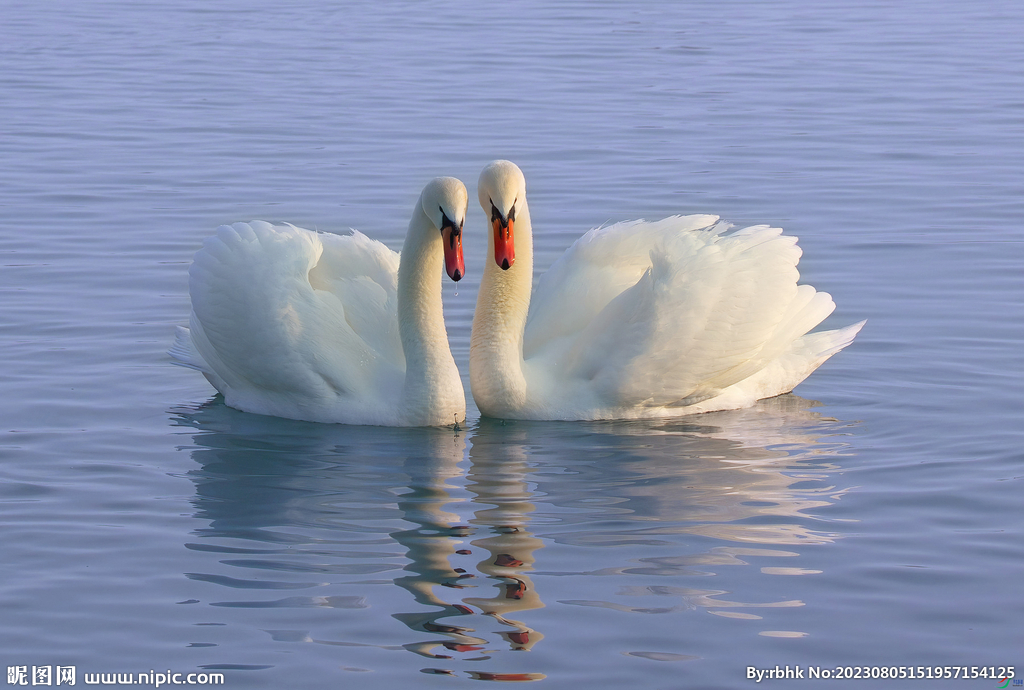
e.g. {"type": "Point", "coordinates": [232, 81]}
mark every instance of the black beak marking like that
{"type": "Point", "coordinates": [446, 224]}
{"type": "Point", "coordinates": [496, 216]}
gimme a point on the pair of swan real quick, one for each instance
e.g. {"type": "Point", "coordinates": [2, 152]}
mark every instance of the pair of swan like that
{"type": "Point", "coordinates": [637, 319]}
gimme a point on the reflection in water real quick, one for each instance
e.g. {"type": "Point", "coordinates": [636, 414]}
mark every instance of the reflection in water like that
{"type": "Point", "coordinates": [653, 508]}
{"type": "Point", "coordinates": [430, 546]}
{"type": "Point", "coordinates": [501, 508]}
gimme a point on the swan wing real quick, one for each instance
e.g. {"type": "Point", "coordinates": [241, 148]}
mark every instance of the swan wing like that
{"type": "Point", "coordinates": [295, 316]}
{"type": "Point", "coordinates": [705, 310]}
{"type": "Point", "coordinates": [596, 269]}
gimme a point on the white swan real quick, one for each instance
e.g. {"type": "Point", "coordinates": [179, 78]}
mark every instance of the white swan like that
{"type": "Point", "coordinates": [330, 328]}
{"type": "Point", "coordinates": [639, 319]}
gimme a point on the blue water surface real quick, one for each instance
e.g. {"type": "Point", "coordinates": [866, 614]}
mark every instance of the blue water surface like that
{"type": "Point", "coordinates": [872, 518]}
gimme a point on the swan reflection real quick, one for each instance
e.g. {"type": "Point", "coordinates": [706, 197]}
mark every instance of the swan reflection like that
{"type": "Point", "coordinates": [502, 508]}
{"type": "Point", "coordinates": [496, 535]}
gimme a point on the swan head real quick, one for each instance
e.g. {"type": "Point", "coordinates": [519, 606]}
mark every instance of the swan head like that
{"type": "Point", "coordinates": [444, 201]}
{"type": "Point", "coordinates": [502, 187]}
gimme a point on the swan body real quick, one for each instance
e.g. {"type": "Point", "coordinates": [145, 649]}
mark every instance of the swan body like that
{"type": "Point", "coordinates": [330, 328]}
{"type": "Point", "coordinates": [639, 319]}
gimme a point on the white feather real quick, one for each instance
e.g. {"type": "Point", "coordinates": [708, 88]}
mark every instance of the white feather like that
{"type": "Point", "coordinates": [305, 325]}
{"type": "Point", "coordinates": [643, 319]}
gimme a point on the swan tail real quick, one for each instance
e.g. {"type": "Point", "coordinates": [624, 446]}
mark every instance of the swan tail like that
{"type": "Point", "coordinates": [184, 352]}
{"type": "Point", "coordinates": [787, 371]}
{"type": "Point", "coordinates": [824, 344]}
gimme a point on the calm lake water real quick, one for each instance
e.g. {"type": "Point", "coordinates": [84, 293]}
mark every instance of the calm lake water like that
{"type": "Point", "coordinates": [873, 518]}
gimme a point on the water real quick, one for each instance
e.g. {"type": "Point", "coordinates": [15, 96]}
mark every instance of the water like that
{"type": "Point", "coordinates": [872, 518]}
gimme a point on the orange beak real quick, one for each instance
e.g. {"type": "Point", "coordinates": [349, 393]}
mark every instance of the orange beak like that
{"type": "Point", "coordinates": [454, 266]}
{"type": "Point", "coordinates": [504, 241]}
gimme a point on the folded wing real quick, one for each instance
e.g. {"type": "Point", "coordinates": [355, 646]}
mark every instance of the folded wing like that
{"type": "Point", "coordinates": [673, 312]}
{"type": "Point", "coordinates": [267, 298]}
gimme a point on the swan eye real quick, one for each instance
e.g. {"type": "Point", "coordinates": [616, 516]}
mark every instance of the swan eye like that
{"type": "Point", "coordinates": [447, 224]}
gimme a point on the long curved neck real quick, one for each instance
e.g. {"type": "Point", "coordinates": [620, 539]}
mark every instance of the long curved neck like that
{"type": "Point", "coordinates": [496, 345]}
{"type": "Point", "coordinates": [420, 312]}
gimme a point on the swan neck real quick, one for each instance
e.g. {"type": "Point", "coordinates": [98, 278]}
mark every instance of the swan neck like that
{"type": "Point", "coordinates": [499, 322]}
{"type": "Point", "coordinates": [420, 310]}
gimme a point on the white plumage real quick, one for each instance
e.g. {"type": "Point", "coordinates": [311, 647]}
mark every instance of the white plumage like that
{"type": "Point", "coordinates": [640, 319]}
{"type": "Point", "coordinates": [329, 328]}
